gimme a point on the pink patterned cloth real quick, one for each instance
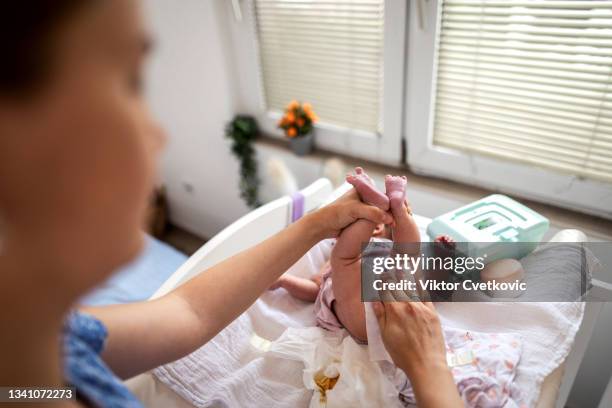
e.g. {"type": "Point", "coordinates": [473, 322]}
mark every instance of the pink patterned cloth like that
{"type": "Point", "coordinates": [488, 379]}
{"type": "Point", "coordinates": [323, 306]}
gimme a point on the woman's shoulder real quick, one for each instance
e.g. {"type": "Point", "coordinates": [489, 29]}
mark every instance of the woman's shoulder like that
{"type": "Point", "coordinates": [82, 343]}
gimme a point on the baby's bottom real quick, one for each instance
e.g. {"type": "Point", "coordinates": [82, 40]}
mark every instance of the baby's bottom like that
{"type": "Point", "coordinates": [326, 305]}
{"type": "Point", "coordinates": [348, 313]}
{"type": "Point", "coordinates": [319, 290]}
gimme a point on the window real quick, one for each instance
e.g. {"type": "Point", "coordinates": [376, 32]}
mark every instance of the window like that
{"type": "Point", "coordinates": [527, 83]}
{"type": "Point", "coordinates": [520, 90]}
{"type": "Point", "coordinates": [329, 53]}
{"type": "Point", "coordinates": [346, 57]}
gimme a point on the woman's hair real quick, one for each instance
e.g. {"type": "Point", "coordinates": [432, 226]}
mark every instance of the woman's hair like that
{"type": "Point", "coordinates": [28, 33]}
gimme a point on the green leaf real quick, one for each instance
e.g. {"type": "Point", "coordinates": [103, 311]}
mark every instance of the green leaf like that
{"type": "Point", "coordinates": [242, 130]}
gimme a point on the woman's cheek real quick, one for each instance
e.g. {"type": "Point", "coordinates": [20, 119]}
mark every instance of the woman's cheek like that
{"type": "Point", "coordinates": [141, 160]}
{"type": "Point", "coordinates": [154, 140]}
{"type": "Point", "coordinates": [122, 175]}
{"type": "Point", "coordinates": [133, 174]}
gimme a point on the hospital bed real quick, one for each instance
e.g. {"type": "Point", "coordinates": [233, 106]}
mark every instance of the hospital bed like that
{"type": "Point", "coordinates": [276, 215]}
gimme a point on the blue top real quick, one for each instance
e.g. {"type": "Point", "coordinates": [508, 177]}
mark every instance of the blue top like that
{"type": "Point", "coordinates": [95, 383]}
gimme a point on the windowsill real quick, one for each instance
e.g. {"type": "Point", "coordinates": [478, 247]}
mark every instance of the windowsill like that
{"type": "Point", "coordinates": [320, 154]}
{"type": "Point", "coordinates": [450, 191]}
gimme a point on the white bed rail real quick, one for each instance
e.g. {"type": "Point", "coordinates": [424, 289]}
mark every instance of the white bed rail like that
{"type": "Point", "coordinates": [600, 292]}
{"type": "Point", "coordinates": [245, 232]}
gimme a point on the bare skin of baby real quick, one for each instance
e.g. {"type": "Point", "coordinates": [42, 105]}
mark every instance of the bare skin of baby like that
{"type": "Point", "coordinates": [345, 258]}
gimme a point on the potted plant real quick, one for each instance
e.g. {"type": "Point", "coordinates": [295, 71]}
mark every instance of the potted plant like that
{"type": "Point", "coordinates": [297, 123]}
{"type": "Point", "coordinates": [243, 131]}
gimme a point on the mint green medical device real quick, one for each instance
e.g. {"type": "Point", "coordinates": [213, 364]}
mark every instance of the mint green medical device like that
{"type": "Point", "coordinates": [490, 224]}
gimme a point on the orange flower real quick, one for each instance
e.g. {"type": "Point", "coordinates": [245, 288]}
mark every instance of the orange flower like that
{"type": "Point", "coordinates": [293, 105]}
{"type": "Point", "coordinates": [290, 117]}
{"type": "Point", "coordinates": [291, 132]}
{"type": "Point", "coordinates": [300, 122]}
{"type": "Point", "coordinates": [307, 107]}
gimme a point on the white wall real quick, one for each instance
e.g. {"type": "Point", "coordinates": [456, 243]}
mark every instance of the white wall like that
{"type": "Point", "coordinates": [190, 91]}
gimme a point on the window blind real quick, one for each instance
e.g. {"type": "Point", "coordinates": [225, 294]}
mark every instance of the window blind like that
{"type": "Point", "coordinates": [328, 53]}
{"type": "Point", "coordinates": [528, 81]}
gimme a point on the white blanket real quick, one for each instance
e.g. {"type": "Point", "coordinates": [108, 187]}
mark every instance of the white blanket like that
{"type": "Point", "coordinates": [360, 382]}
{"type": "Point", "coordinates": [235, 370]}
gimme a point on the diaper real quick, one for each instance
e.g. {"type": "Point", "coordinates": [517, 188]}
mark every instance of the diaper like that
{"type": "Point", "coordinates": [323, 306]}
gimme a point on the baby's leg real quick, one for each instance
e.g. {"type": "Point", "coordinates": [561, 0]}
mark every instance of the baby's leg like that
{"type": "Point", "coordinates": [346, 277]}
{"type": "Point", "coordinates": [405, 229]}
{"type": "Point", "coordinates": [346, 259]}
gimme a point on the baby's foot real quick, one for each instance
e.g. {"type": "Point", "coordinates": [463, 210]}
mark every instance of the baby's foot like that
{"type": "Point", "coordinates": [446, 240]}
{"type": "Point", "coordinates": [367, 190]}
{"type": "Point", "coordinates": [444, 245]}
{"type": "Point", "coordinates": [396, 191]}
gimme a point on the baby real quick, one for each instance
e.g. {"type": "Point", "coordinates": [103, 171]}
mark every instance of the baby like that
{"type": "Point", "coordinates": [336, 289]}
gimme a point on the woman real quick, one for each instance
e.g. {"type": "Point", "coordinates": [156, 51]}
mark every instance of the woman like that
{"type": "Point", "coordinates": [78, 151]}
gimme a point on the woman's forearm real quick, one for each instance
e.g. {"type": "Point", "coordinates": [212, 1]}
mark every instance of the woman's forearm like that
{"type": "Point", "coordinates": [226, 290]}
{"type": "Point", "coordinates": [145, 335]}
{"type": "Point", "coordinates": [412, 335]}
{"type": "Point", "coordinates": [434, 387]}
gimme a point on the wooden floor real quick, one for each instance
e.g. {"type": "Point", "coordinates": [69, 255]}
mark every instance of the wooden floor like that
{"type": "Point", "coordinates": [182, 240]}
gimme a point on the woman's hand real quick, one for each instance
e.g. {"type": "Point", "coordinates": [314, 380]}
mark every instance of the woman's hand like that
{"type": "Point", "coordinates": [333, 218]}
{"type": "Point", "coordinates": [412, 334]}
{"type": "Point", "coordinates": [413, 337]}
